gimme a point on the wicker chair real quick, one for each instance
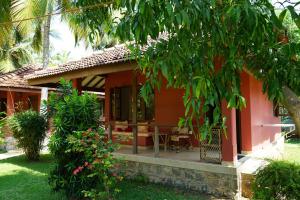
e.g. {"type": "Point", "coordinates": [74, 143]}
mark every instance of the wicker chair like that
{"type": "Point", "coordinates": [181, 137]}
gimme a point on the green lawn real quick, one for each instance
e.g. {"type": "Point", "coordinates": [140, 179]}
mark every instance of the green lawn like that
{"type": "Point", "coordinates": [2, 151]}
{"type": "Point", "coordinates": [22, 180]}
{"type": "Point", "coordinates": [292, 150]}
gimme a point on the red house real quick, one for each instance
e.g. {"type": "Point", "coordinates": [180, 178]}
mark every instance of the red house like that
{"type": "Point", "coordinates": [126, 114]}
{"type": "Point", "coordinates": [16, 94]}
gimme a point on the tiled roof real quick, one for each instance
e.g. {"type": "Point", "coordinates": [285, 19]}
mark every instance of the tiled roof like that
{"type": "Point", "coordinates": [16, 78]}
{"type": "Point", "coordinates": [116, 54]}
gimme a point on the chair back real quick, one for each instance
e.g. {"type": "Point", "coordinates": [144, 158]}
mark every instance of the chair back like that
{"type": "Point", "coordinates": [184, 130]}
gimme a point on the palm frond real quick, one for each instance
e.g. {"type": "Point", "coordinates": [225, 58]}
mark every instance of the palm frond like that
{"type": "Point", "coordinates": [25, 9]}
{"type": "Point", "coordinates": [5, 16]}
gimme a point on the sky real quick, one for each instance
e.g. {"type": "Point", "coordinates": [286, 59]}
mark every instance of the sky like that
{"type": "Point", "coordinates": [66, 42]}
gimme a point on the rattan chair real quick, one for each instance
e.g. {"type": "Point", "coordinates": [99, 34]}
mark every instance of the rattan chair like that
{"type": "Point", "coordinates": [181, 137]}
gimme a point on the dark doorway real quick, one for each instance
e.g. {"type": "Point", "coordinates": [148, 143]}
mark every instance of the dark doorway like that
{"type": "Point", "coordinates": [3, 104]}
{"type": "Point", "coordinates": [238, 131]}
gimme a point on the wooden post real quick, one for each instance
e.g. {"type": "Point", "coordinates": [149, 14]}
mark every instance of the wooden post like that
{"type": "Point", "coordinates": [109, 129]}
{"type": "Point", "coordinates": [156, 141]}
{"type": "Point", "coordinates": [10, 104]}
{"type": "Point", "coordinates": [134, 114]}
{"type": "Point", "coordinates": [76, 84]}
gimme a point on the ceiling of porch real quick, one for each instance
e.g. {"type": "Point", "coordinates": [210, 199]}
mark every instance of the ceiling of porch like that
{"type": "Point", "coordinates": [93, 83]}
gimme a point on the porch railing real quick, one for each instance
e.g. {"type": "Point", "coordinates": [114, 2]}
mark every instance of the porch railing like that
{"type": "Point", "coordinates": [211, 149]}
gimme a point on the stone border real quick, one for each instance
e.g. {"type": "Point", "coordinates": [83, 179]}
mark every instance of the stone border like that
{"type": "Point", "coordinates": [208, 167]}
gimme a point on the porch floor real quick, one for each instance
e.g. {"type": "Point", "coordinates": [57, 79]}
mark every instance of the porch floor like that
{"type": "Point", "coordinates": [192, 155]}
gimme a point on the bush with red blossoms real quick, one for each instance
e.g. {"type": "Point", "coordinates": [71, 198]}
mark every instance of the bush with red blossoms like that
{"type": "Point", "coordinates": [83, 156]}
{"type": "Point", "coordinates": [96, 165]}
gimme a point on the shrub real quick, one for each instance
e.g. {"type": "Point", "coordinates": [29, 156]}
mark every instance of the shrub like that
{"type": "Point", "coordinates": [83, 156]}
{"type": "Point", "coordinates": [278, 180]}
{"type": "Point", "coordinates": [2, 123]}
{"type": "Point", "coordinates": [29, 129]}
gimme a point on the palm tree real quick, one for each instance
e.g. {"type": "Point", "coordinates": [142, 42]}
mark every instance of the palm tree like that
{"type": "Point", "coordinates": [42, 25]}
{"type": "Point", "coordinates": [14, 52]}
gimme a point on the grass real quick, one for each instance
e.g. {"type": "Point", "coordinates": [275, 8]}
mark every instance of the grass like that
{"type": "Point", "coordinates": [292, 150]}
{"type": "Point", "coordinates": [23, 180]}
{"type": "Point", "coordinates": [2, 151]}
{"type": "Point", "coordinates": [132, 190]}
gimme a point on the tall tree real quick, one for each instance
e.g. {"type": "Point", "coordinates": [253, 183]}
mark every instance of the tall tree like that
{"type": "Point", "coordinates": [14, 52]}
{"type": "Point", "coordinates": [208, 44]}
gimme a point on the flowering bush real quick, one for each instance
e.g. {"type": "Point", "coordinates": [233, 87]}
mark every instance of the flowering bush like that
{"type": "Point", "coordinates": [82, 153]}
{"type": "Point", "coordinates": [96, 165]}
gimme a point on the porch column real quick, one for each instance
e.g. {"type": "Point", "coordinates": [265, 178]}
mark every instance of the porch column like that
{"type": "Point", "coordinates": [10, 102]}
{"type": "Point", "coordinates": [134, 113]}
{"type": "Point", "coordinates": [229, 146]}
{"type": "Point", "coordinates": [76, 84]}
{"type": "Point", "coordinates": [246, 115]}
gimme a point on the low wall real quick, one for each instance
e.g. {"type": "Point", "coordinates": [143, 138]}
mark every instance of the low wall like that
{"type": "Point", "coordinates": [218, 180]}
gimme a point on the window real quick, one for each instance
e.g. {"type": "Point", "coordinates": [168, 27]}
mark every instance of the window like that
{"type": "Point", "coordinates": [33, 103]}
{"type": "Point", "coordinates": [145, 112]}
{"type": "Point", "coordinates": [120, 99]}
{"type": "Point", "coordinates": [121, 105]}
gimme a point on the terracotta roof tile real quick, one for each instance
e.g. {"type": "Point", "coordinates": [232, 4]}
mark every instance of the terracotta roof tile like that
{"type": "Point", "coordinates": [16, 78]}
{"type": "Point", "coordinates": [116, 54]}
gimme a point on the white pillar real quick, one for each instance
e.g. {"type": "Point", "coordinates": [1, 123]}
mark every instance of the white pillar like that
{"type": "Point", "coordinates": [44, 97]}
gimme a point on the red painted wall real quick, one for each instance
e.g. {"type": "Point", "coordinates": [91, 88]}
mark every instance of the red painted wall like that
{"type": "Point", "coordinates": [169, 108]}
{"type": "Point", "coordinates": [259, 111]}
{"type": "Point", "coordinates": [168, 101]}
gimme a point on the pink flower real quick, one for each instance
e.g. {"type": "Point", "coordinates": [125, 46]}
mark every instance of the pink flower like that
{"type": "Point", "coordinates": [86, 164]}
{"type": "Point", "coordinates": [80, 168]}
{"type": "Point", "coordinates": [75, 172]}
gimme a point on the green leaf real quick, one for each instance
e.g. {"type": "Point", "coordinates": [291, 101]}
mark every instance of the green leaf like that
{"type": "Point", "coordinates": [282, 15]}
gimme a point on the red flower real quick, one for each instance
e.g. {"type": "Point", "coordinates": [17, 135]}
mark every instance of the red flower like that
{"type": "Point", "coordinates": [75, 172]}
{"type": "Point", "coordinates": [80, 168]}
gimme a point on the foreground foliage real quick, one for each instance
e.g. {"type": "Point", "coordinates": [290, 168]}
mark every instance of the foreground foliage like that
{"type": "Point", "coordinates": [2, 123]}
{"type": "Point", "coordinates": [208, 45]}
{"type": "Point", "coordinates": [29, 129]}
{"type": "Point", "coordinates": [279, 180]}
{"type": "Point", "coordinates": [83, 155]}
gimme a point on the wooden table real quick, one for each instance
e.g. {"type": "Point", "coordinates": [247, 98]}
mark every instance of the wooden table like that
{"type": "Point", "coordinates": [165, 139]}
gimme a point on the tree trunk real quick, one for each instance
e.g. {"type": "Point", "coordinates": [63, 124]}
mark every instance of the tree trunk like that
{"type": "Point", "coordinates": [292, 103]}
{"type": "Point", "coordinates": [46, 41]}
{"type": "Point", "coordinates": [46, 54]}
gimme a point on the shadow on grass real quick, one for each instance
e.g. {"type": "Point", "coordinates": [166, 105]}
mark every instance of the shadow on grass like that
{"type": "Point", "coordinates": [23, 185]}
{"type": "Point", "coordinates": [136, 190]}
{"type": "Point", "coordinates": [44, 165]}
{"type": "Point", "coordinates": [24, 180]}
{"type": "Point", "coordinates": [293, 141]}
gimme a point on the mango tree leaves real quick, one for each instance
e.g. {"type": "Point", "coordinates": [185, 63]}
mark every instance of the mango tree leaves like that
{"type": "Point", "coordinates": [203, 46]}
